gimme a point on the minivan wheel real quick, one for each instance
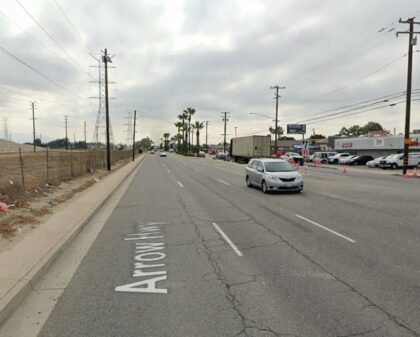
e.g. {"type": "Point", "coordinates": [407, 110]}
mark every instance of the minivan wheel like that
{"type": "Point", "coordinates": [248, 182]}
{"type": "Point", "coordinates": [264, 186]}
{"type": "Point", "coordinates": [394, 166]}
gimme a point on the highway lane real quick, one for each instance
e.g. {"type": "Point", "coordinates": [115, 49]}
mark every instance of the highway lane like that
{"type": "Point", "coordinates": [387, 250]}
{"type": "Point", "coordinates": [236, 262]}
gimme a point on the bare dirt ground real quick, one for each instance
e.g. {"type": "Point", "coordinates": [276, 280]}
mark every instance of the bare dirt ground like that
{"type": "Point", "coordinates": [27, 212]}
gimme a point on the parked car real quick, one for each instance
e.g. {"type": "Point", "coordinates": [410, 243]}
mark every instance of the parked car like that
{"type": "Point", "coordinates": [273, 175]}
{"type": "Point", "coordinates": [201, 154]}
{"type": "Point", "coordinates": [163, 154]}
{"type": "Point", "coordinates": [375, 162]}
{"type": "Point", "coordinates": [220, 155]}
{"type": "Point", "coordinates": [323, 156]}
{"type": "Point", "coordinates": [336, 158]}
{"type": "Point", "coordinates": [397, 160]}
{"type": "Point", "coordinates": [345, 160]}
{"type": "Point", "coordinates": [359, 160]}
{"type": "Point", "coordinates": [152, 152]}
{"type": "Point", "coordinates": [295, 156]}
{"type": "Point", "coordinates": [171, 150]}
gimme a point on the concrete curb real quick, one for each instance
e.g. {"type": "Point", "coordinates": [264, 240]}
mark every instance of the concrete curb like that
{"type": "Point", "coordinates": [323, 166]}
{"type": "Point", "coordinates": [22, 287]}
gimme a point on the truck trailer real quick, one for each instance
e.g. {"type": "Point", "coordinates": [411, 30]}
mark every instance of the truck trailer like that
{"type": "Point", "coordinates": [245, 148]}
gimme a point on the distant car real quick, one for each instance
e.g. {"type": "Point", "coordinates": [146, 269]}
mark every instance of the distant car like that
{"type": "Point", "coordinates": [375, 162]}
{"type": "Point", "coordinates": [171, 150]}
{"type": "Point", "coordinates": [345, 160]}
{"type": "Point", "coordinates": [273, 175]}
{"type": "Point", "coordinates": [295, 156]}
{"type": "Point", "coordinates": [335, 159]}
{"type": "Point", "coordinates": [322, 156]}
{"type": "Point", "coordinates": [201, 154]}
{"type": "Point", "coordinates": [152, 151]}
{"type": "Point", "coordinates": [359, 160]}
{"type": "Point", "coordinates": [163, 154]}
{"type": "Point", "coordinates": [220, 155]}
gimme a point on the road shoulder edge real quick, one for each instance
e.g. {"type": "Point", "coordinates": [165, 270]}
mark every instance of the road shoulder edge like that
{"type": "Point", "coordinates": [20, 288]}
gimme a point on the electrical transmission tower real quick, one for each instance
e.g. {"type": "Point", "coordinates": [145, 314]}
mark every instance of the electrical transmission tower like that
{"type": "Point", "coordinates": [129, 130]}
{"type": "Point", "coordinates": [99, 132]}
{"type": "Point", "coordinates": [5, 129]}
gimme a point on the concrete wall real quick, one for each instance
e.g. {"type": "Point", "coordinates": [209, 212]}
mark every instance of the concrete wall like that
{"type": "Point", "coordinates": [375, 146]}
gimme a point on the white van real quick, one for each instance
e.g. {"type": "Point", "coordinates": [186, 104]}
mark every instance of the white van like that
{"type": "Point", "coordinates": [397, 161]}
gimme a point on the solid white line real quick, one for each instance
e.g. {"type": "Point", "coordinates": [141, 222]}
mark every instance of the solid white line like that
{"type": "Point", "coordinates": [223, 182]}
{"type": "Point", "coordinates": [323, 227]}
{"type": "Point", "coordinates": [237, 251]}
{"type": "Point", "coordinates": [179, 183]}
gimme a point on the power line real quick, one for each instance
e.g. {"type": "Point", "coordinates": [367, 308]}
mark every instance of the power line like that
{"type": "Point", "coordinates": [40, 73]}
{"type": "Point", "coordinates": [36, 40]}
{"type": "Point", "coordinates": [73, 26]}
{"type": "Point", "coordinates": [349, 110]}
{"type": "Point", "coordinates": [368, 110]}
{"type": "Point", "coordinates": [353, 82]}
{"type": "Point", "coordinates": [52, 38]}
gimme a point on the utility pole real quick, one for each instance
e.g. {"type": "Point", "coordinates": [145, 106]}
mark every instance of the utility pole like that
{"type": "Point", "coordinates": [225, 118]}
{"type": "Point", "coordinates": [412, 41]}
{"type": "Point", "coordinates": [66, 119]}
{"type": "Point", "coordinates": [207, 143]}
{"type": "Point", "coordinates": [106, 59]}
{"type": "Point", "coordinates": [277, 115]}
{"type": "Point", "coordinates": [33, 122]}
{"type": "Point", "coordinates": [84, 131]}
{"type": "Point", "coordinates": [236, 134]}
{"type": "Point", "coordinates": [134, 134]}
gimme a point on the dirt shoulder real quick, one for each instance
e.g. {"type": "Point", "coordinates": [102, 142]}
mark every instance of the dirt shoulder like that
{"type": "Point", "coordinates": [29, 211]}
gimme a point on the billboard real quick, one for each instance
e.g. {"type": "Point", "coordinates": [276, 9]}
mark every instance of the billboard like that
{"type": "Point", "coordinates": [296, 129]}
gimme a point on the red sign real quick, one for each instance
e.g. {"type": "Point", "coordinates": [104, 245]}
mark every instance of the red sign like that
{"type": "Point", "coordinates": [347, 145]}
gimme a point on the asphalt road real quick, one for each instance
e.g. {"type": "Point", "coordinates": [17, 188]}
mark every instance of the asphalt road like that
{"type": "Point", "coordinates": [191, 251]}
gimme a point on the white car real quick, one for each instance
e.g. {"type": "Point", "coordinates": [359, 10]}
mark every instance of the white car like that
{"type": "Point", "coordinates": [163, 154]}
{"type": "Point", "coordinates": [335, 159]}
{"type": "Point", "coordinates": [375, 163]}
{"type": "Point", "coordinates": [345, 160]}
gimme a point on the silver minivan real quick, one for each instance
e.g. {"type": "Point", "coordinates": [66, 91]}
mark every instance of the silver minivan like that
{"type": "Point", "coordinates": [273, 175]}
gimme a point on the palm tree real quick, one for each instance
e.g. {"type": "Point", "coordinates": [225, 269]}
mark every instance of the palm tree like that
{"type": "Point", "coordinates": [178, 125]}
{"type": "Point", "coordinates": [189, 112]}
{"type": "Point", "coordinates": [166, 140]}
{"type": "Point", "coordinates": [198, 126]}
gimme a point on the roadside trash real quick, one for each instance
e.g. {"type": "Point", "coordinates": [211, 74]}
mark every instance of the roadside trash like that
{"type": "Point", "coordinates": [10, 182]}
{"type": "Point", "coordinates": [35, 190]}
{"type": "Point", "coordinates": [50, 202]}
{"type": "Point", "coordinates": [3, 207]}
{"type": "Point", "coordinates": [11, 206]}
{"type": "Point", "coordinates": [96, 179]}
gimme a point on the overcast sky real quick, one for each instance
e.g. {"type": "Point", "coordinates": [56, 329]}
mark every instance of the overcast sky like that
{"type": "Point", "coordinates": [211, 55]}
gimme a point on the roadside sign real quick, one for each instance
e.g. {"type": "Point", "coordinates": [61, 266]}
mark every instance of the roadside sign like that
{"type": "Point", "coordinates": [296, 129]}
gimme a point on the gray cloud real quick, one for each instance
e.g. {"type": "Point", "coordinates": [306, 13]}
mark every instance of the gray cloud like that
{"type": "Point", "coordinates": [215, 56]}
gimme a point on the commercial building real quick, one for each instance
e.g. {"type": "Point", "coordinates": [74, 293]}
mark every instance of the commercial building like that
{"type": "Point", "coordinates": [376, 146]}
